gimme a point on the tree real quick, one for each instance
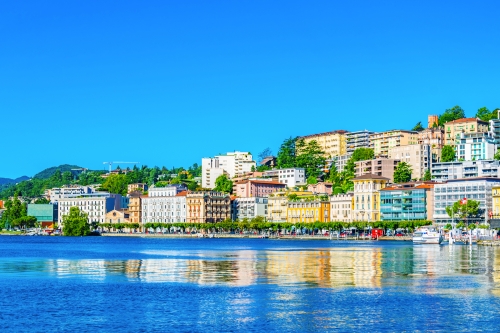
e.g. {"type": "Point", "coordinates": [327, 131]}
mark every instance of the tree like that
{"type": "Point", "coordinates": [448, 154]}
{"type": "Point", "coordinates": [286, 154]}
{"type": "Point", "coordinates": [193, 186]}
{"type": "Point", "coordinates": [418, 127]}
{"type": "Point", "coordinates": [223, 184]}
{"type": "Point", "coordinates": [402, 173]}
{"type": "Point", "coordinates": [25, 222]}
{"type": "Point", "coordinates": [497, 155]}
{"type": "Point", "coordinates": [76, 223]}
{"type": "Point", "coordinates": [67, 177]}
{"type": "Point", "coordinates": [14, 209]}
{"type": "Point", "coordinates": [312, 180]}
{"type": "Point", "coordinates": [427, 175]}
{"type": "Point", "coordinates": [454, 113]}
{"type": "Point", "coordinates": [310, 157]}
{"type": "Point", "coordinates": [252, 169]}
{"type": "Point", "coordinates": [41, 201]}
{"type": "Point", "coordinates": [116, 184]}
{"type": "Point", "coordinates": [461, 210]}
{"type": "Point", "coordinates": [265, 153]}
{"type": "Point", "coordinates": [485, 114]}
{"type": "Point", "coordinates": [362, 154]}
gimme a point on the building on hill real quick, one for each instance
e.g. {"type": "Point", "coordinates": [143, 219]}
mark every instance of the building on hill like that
{"type": "Point", "coordinates": [418, 156]}
{"type": "Point", "coordinates": [57, 193]}
{"type": "Point", "coordinates": [257, 188]}
{"type": "Point", "coordinates": [468, 169]}
{"type": "Point", "coordinates": [432, 121]}
{"type": "Point", "coordinates": [495, 128]}
{"type": "Point", "coordinates": [277, 207]}
{"type": "Point", "coordinates": [320, 188]}
{"type": "Point", "coordinates": [233, 164]}
{"type": "Point", "coordinates": [331, 143]}
{"type": "Point", "coordinates": [340, 161]}
{"type": "Point", "coordinates": [291, 177]}
{"type": "Point", "coordinates": [382, 167]}
{"type": "Point", "coordinates": [407, 201]}
{"type": "Point", "coordinates": [269, 161]}
{"type": "Point", "coordinates": [358, 139]}
{"type": "Point", "coordinates": [208, 207]}
{"type": "Point", "coordinates": [454, 128]}
{"type": "Point", "coordinates": [475, 146]}
{"type": "Point", "coordinates": [248, 208]}
{"type": "Point", "coordinates": [384, 140]}
{"type": "Point", "coordinates": [142, 187]}
{"type": "Point", "coordinates": [341, 207]}
{"type": "Point", "coordinates": [367, 197]}
{"type": "Point", "coordinates": [46, 214]}
{"type": "Point", "coordinates": [135, 207]}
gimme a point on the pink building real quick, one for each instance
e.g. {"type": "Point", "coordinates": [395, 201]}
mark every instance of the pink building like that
{"type": "Point", "coordinates": [257, 188]}
{"type": "Point", "coordinates": [320, 188]}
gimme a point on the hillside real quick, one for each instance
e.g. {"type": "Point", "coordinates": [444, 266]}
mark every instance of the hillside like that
{"type": "Point", "coordinates": [4, 181]}
{"type": "Point", "coordinates": [45, 174]}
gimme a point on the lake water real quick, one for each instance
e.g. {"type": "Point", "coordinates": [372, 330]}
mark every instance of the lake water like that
{"type": "Point", "coordinates": [115, 284]}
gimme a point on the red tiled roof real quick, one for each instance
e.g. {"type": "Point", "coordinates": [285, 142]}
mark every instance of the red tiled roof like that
{"type": "Point", "coordinates": [465, 120]}
{"type": "Point", "coordinates": [181, 194]}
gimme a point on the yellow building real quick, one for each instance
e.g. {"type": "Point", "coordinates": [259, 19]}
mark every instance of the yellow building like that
{"type": "Point", "coordinates": [308, 209]}
{"type": "Point", "coordinates": [135, 207]}
{"type": "Point", "coordinates": [332, 143]}
{"type": "Point", "coordinates": [277, 205]}
{"type": "Point", "coordinates": [452, 129]}
{"type": "Point", "coordinates": [496, 201]}
{"type": "Point", "coordinates": [384, 140]}
{"type": "Point", "coordinates": [367, 197]}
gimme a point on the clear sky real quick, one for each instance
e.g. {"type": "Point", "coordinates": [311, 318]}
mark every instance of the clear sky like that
{"type": "Point", "coordinates": [170, 82]}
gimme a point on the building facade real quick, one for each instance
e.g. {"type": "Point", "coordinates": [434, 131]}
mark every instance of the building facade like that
{"type": "Point", "coordinates": [341, 207]}
{"type": "Point", "coordinates": [304, 210]}
{"type": "Point", "coordinates": [418, 156]}
{"type": "Point", "coordinates": [208, 207]}
{"type": "Point", "coordinates": [453, 129]}
{"type": "Point", "coordinates": [117, 216]}
{"type": "Point", "coordinates": [469, 169]}
{"type": "Point", "coordinates": [407, 202]}
{"type": "Point", "coordinates": [382, 167]}
{"type": "Point", "coordinates": [57, 193]}
{"type": "Point", "coordinates": [96, 206]}
{"type": "Point", "coordinates": [233, 164]}
{"type": "Point", "coordinates": [495, 128]}
{"type": "Point", "coordinates": [495, 198]}
{"type": "Point", "coordinates": [164, 204]}
{"type": "Point", "coordinates": [367, 197]}
{"type": "Point", "coordinates": [257, 188]}
{"type": "Point", "coordinates": [135, 207]}
{"type": "Point", "coordinates": [332, 143]}
{"type": "Point", "coordinates": [249, 208]}
{"type": "Point", "coordinates": [384, 140]}
{"type": "Point", "coordinates": [479, 189]}
{"type": "Point", "coordinates": [46, 214]}
{"type": "Point", "coordinates": [320, 188]}
{"type": "Point", "coordinates": [292, 176]}
{"type": "Point", "coordinates": [141, 187]}
{"type": "Point", "coordinates": [277, 207]}
{"type": "Point", "coordinates": [358, 139]}
{"type": "Point", "coordinates": [475, 146]}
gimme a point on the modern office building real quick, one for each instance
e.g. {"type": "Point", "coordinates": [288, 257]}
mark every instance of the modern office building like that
{"type": "Point", "coordinates": [479, 189]}
{"type": "Point", "coordinates": [367, 197]}
{"type": "Point", "coordinates": [233, 164]}
{"type": "Point", "coordinates": [382, 167]}
{"type": "Point", "coordinates": [332, 143]}
{"type": "Point", "coordinates": [46, 214]}
{"type": "Point", "coordinates": [407, 202]}
{"type": "Point", "coordinates": [341, 207]}
{"type": "Point", "coordinates": [475, 146]}
{"type": "Point", "coordinates": [453, 129]}
{"type": "Point", "coordinates": [382, 141]}
{"type": "Point", "coordinates": [249, 208]}
{"type": "Point", "coordinates": [469, 169]}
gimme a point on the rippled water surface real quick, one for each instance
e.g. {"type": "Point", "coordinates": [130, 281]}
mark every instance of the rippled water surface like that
{"type": "Point", "coordinates": [252, 285]}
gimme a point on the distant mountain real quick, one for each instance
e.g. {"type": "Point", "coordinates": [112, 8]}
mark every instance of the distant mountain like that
{"type": "Point", "coordinates": [47, 173]}
{"type": "Point", "coordinates": [4, 181]}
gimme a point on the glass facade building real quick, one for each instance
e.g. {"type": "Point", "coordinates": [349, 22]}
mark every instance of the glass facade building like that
{"type": "Point", "coordinates": [403, 204]}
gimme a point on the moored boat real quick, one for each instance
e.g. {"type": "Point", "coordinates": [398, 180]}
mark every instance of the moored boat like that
{"type": "Point", "coordinates": [427, 235]}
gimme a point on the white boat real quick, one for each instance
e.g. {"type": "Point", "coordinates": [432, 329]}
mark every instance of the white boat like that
{"type": "Point", "coordinates": [427, 235]}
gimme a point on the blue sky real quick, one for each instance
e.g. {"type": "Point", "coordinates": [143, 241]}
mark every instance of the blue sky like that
{"type": "Point", "coordinates": [170, 82]}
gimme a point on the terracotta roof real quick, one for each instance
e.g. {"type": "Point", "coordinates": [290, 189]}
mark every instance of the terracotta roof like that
{"type": "Point", "coordinates": [370, 176]}
{"type": "Point", "coordinates": [324, 133]}
{"type": "Point", "coordinates": [466, 120]}
{"type": "Point", "coordinates": [181, 194]}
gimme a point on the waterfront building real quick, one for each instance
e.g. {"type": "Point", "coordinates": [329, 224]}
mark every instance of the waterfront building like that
{"type": "Point", "coordinates": [320, 188]}
{"type": "Point", "coordinates": [142, 187]}
{"type": "Point", "coordinates": [332, 143]}
{"type": "Point", "coordinates": [308, 209]}
{"type": "Point", "coordinates": [233, 164]}
{"type": "Point", "coordinates": [117, 216]}
{"type": "Point", "coordinates": [454, 128]}
{"type": "Point", "coordinates": [164, 204]}
{"type": "Point", "coordinates": [95, 205]}
{"type": "Point", "coordinates": [382, 141]}
{"type": "Point", "coordinates": [358, 139]}
{"type": "Point", "coordinates": [495, 195]}
{"type": "Point", "coordinates": [475, 146]}
{"type": "Point", "coordinates": [479, 189]}
{"type": "Point", "coordinates": [277, 207]}
{"type": "Point", "coordinates": [367, 197]}
{"type": "Point", "coordinates": [57, 193]}
{"type": "Point", "coordinates": [249, 208]}
{"type": "Point", "coordinates": [341, 207]}
{"type": "Point", "coordinates": [208, 207]}
{"type": "Point", "coordinates": [257, 188]}
{"type": "Point", "coordinates": [418, 156]}
{"type": "Point", "coordinates": [495, 128]}
{"type": "Point", "coordinates": [46, 214]}
{"type": "Point", "coordinates": [468, 169]}
{"type": "Point", "coordinates": [383, 167]}
{"type": "Point", "coordinates": [407, 202]}
{"type": "Point", "coordinates": [135, 207]}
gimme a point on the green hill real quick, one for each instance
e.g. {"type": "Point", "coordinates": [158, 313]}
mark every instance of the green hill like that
{"type": "Point", "coordinates": [45, 174]}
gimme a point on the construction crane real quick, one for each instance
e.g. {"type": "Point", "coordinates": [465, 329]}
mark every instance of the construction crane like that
{"type": "Point", "coordinates": [111, 163]}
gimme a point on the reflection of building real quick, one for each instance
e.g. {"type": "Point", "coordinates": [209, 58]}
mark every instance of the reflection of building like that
{"type": "Point", "coordinates": [249, 208]}
{"type": "Point", "coordinates": [46, 214]}
{"type": "Point", "coordinates": [407, 201]}
{"type": "Point", "coordinates": [366, 197]}
{"type": "Point", "coordinates": [208, 206]}
{"type": "Point", "coordinates": [341, 207]}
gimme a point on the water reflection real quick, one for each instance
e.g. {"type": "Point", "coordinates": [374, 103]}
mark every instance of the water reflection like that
{"type": "Point", "coordinates": [350, 266]}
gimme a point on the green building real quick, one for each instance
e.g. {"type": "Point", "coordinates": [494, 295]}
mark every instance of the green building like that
{"type": "Point", "coordinates": [46, 214]}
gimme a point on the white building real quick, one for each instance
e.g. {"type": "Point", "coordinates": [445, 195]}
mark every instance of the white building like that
{"type": "Point", "coordinates": [233, 164]}
{"type": "Point", "coordinates": [164, 204]}
{"type": "Point", "coordinates": [475, 146]}
{"type": "Point", "coordinates": [55, 194]}
{"type": "Point", "coordinates": [446, 194]}
{"type": "Point", "coordinates": [292, 176]}
{"type": "Point", "coordinates": [469, 169]}
{"type": "Point", "coordinates": [495, 128]}
{"type": "Point", "coordinates": [95, 205]}
{"type": "Point", "coordinates": [341, 207]}
{"type": "Point", "coordinates": [248, 208]}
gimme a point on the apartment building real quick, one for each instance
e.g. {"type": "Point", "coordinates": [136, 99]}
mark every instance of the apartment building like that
{"type": "Point", "coordinates": [468, 169]}
{"type": "Point", "coordinates": [257, 188]}
{"type": "Point", "coordinates": [332, 143]}
{"type": "Point", "coordinates": [233, 164]}
{"type": "Point", "coordinates": [358, 139]}
{"type": "Point", "coordinates": [55, 194]}
{"type": "Point", "coordinates": [142, 187]}
{"type": "Point", "coordinates": [341, 207]}
{"type": "Point", "coordinates": [434, 137]}
{"type": "Point", "coordinates": [407, 202]}
{"type": "Point", "coordinates": [367, 197]}
{"type": "Point", "coordinates": [453, 129]}
{"type": "Point", "coordinates": [277, 207]}
{"type": "Point", "coordinates": [495, 128]}
{"type": "Point", "coordinates": [340, 161]}
{"type": "Point", "coordinates": [308, 210]}
{"type": "Point", "coordinates": [384, 140]}
{"type": "Point", "coordinates": [208, 207]}
{"type": "Point", "coordinates": [475, 146]}
{"type": "Point", "coordinates": [135, 207]}
{"type": "Point", "coordinates": [249, 208]}
{"type": "Point", "coordinates": [292, 176]}
{"type": "Point", "coordinates": [418, 156]}
{"type": "Point", "coordinates": [382, 167]}
{"type": "Point", "coordinates": [479, 189]}
{"type": "Point", "coordinates": [164, 204]}
{"type": "Point", "coordinates": [95, 205]}
{"type": "Point", "coordinates": [495, 195]}
{"type": "Point", "coordinates": [320, 188]}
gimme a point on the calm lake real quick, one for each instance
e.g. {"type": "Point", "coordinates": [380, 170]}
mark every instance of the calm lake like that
{"type": "Point", "coordinates": [123, 284]}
